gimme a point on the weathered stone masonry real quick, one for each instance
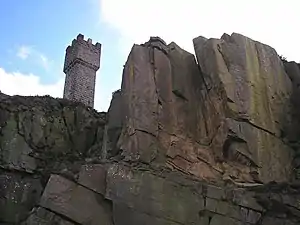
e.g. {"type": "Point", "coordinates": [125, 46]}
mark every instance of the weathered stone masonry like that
{"type": "Point", "coordinates": [81, 64]}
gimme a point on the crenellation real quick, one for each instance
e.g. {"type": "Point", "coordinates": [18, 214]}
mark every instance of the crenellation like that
{"type": "Point", "coordinates": [81, 64]}
{"type": "Point", "coordinates": [80, 37]}
{"type": "Point", "coordinates": [87, 43]}
{"type": "Point", "coordinates": [73, 42]}
{"type": "Point", "coordinates": [98, 45]}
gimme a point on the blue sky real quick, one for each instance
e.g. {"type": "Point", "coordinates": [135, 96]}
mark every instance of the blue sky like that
{"type": "Point", "coordinates": [35, 34]}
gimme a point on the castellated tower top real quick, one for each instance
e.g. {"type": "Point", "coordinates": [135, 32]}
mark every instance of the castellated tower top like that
{"type": "Point", "coordinates": [84, 52]}
{"type": "Point", "coordinates": [81, 64]}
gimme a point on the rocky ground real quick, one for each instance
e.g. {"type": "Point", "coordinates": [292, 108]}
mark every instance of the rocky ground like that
{"type": "Point", "coordinates": [207, 140]}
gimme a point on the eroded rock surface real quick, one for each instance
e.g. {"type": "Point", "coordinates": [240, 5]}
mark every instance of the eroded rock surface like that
{"type": "Point", "coordinates": [208, 141]}
{"type": "Point", "coordinates": [249, 78]}
{"type": "Point", "coordinates": [215, 119]}
{"type": "Point", "coordinates": [140, 195]}
{"type": "Point", "coordinates": [40, 136]}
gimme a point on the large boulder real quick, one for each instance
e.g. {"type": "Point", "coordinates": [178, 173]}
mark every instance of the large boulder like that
{"type": "Point", "coordinates": [227, 116]}
{"type": "Point", "coordinates": [38, 132]}
{"type": "Point", "coordinates": [118, 193]}
{"type": "Point", "coordinates": [249, 78]}
{"type": "Point", "coordinates": [40, 136]}
{"type": "Point", "coordinates": [77, 203]}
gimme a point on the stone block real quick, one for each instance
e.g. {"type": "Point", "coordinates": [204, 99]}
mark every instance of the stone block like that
{"type": "Point", "coordinates": [93, 177]}
{"type": "Point", "coordinates": [214, 192]}
{"type": "Point", "coordinates": [15, 152]}
{"type": "Point", "coordinates": [76, 202]}
{"type": "Point", "coordinates": [123, 215]}
{"type": "Point", "coordinates": [246, 199]}
{"type": "Point", "coordinates": [153, 195]}
{"type": "Point", "coordinates": [223, 208]}
{"type": "Point", "coordinates": [18, 194]}
{"type": "Point", "coordinates": [268, 220]}
{"type": "Point", "coordinates": [250, 216]}
{"type": "Point", "coordinates": [41, 216]}
{"type": "Point", "coordinates": [223, 220]}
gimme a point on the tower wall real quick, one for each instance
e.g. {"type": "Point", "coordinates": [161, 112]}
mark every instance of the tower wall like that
{"type": "Point", "coordinates": [81, 64]}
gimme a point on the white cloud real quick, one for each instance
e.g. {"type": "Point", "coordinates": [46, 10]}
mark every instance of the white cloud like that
{"type": "Point", "coordinates": [273, 22]}
{"type": "Point", "coordinates": [17, 83]}
{"type": "Point", "coordinates": [28, 52]}
{"type": "Point", "coordinates": [103, 92]}
{"type": "Point", "coordinates": [24, 51]}
{"type": "Point", "coordinates": [28, 84]}
{"type": "Point", "coordinates": [45, 62]}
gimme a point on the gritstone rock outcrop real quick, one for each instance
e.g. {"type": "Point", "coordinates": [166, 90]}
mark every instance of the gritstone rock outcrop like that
{"type": "Point", "coordinates": [207, 140]}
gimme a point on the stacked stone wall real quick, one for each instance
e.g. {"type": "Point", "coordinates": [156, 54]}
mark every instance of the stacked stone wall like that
{"type": "Point", "coordinates": [81, 64]}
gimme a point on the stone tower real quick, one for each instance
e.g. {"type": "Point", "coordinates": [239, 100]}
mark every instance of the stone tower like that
{"type": "Point", "coordinates": [81, 64]}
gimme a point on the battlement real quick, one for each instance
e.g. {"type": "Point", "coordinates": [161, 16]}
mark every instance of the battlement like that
{"type": "Point", "coordinates": [83, 51]}
{"type": "Point", "coordinates": [81, 64]}
{"type": "Point", "coordinates": [88, 43]}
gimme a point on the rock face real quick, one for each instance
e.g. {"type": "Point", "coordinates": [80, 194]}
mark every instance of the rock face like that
{"type": "Point", "coordinates": [207, 140]}
{"type": "Point", "coordinates": [40, 136]}
{"type": "Point", "coordinates": [255, 90]}
{"type": "Point", "coordinates": [217, 118]}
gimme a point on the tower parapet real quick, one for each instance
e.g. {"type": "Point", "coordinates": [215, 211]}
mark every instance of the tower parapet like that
{"type": "Point", "coordinates": [82, 61]}
{"type": "Point", "coordinates": [84, 51]}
